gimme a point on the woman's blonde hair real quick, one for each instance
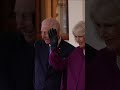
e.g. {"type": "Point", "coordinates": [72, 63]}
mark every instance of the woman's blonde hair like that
{"type": "Point", "coordinates": [79, 27]}
{"type": "Point", "coordinates": [105, 10]}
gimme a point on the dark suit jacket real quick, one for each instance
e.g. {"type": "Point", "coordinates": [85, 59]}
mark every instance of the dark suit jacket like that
{"type": "Point", "coordinates": [90, 53]}
{"type": "Point", "coordinates": [16, 62]}
{"type": "Point", "coordinates": [46, 78]}
{"type": "Point", "coordinates": [104, 73]}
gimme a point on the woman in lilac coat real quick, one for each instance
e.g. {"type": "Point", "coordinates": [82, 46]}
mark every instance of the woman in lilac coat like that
{"type": "Point", "coordinates": [74, 78]}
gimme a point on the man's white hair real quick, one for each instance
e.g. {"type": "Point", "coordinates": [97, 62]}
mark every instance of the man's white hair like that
{"type": "Point", "coordinates": [52, 23]}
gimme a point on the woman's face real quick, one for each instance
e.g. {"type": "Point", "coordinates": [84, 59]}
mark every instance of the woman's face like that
{"type": "Point", "coordinates": [110, 33]}
{"type": "Point", "coordinates": [106, 17]}
{"type": "Point", "coordinates": [80, 39]}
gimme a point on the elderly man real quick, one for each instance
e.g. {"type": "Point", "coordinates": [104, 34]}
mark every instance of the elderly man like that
{"type": "Point", "coordinates": [47, 78]}
{"type": "Point", "coordinates": [16, 62]}
{"type": "Point", "coordinates": [25, 10]}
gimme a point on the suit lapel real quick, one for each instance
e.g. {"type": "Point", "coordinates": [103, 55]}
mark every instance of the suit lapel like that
{"type": "Point", "coordinates": [44, 57]}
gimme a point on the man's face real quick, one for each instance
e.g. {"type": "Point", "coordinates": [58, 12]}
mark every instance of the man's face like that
{"type": "Point", "coordinates": [44, 34]}
{"type": "Point", "coordinates": [110, 33]}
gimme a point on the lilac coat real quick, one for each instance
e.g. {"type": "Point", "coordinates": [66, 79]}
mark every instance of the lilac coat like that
{"type": "Point", "coordinates": [75, 66]}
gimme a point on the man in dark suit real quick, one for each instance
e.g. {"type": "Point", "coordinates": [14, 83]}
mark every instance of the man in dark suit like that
{"type": "Point", "coordinates": [46, 78]}
{"type": "Point", "coordinates": [90, 53]}
{"type": "Point", "coordinates": [16, 62]}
